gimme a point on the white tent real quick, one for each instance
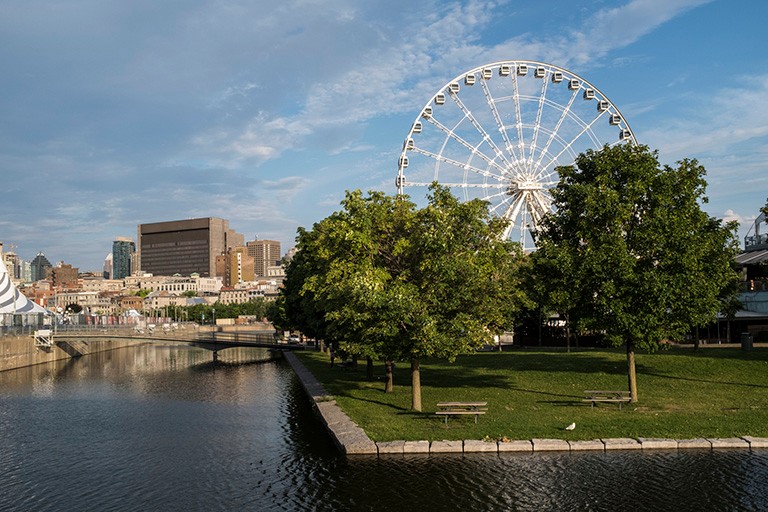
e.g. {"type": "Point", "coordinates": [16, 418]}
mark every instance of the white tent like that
{"type": "Point", "coordinates": [11, 299]}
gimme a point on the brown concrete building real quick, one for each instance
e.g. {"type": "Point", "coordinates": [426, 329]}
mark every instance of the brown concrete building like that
{"type": "Point", "coordinates": [265, 254]}
{"type": "Point", "coordinates": [239, 266]}
{"type": "Point", "coordinates": [64, 276]}
{"type": "Point", "coordinates": [185, 246]}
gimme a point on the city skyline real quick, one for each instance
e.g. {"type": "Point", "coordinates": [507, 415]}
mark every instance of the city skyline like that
{"type": "Point", "coordinates": [114, 115]}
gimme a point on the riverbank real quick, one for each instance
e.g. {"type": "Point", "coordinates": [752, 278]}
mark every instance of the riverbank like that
{"type": "Point", "coordinates": [705, 400]}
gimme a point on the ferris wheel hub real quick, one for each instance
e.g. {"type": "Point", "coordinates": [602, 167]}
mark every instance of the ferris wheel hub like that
{"type": "Point", "coordinates": [523, 185]}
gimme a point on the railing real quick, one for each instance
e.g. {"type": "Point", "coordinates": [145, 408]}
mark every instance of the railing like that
{"type": "Point", "coordinates": [756, 240]}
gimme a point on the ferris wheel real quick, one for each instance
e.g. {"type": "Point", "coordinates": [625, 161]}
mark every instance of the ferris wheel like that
{"type": "Point", "coordinates": [499, 131]}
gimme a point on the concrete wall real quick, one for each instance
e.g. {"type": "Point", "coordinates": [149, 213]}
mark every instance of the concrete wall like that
{"type": "Point", "coordinates": [18, 351]}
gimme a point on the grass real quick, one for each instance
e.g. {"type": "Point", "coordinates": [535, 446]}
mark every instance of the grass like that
{"type": "Point", "coordinates": [712, 392]}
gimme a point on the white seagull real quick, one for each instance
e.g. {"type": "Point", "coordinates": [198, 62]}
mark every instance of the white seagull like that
{"type": "Point", "coordinates": [571, 426]}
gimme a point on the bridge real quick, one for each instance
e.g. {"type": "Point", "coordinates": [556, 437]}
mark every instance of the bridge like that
{"type": "Point", "coordinates": [206, 339]}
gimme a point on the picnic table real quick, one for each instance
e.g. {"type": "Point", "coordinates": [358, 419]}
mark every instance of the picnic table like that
{"type": "Point", "coordinates": [446, 409]}
{"type": "Point", "coordinates": [596, 396]}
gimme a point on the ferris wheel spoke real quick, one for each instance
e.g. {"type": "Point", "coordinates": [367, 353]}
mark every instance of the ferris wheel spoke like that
{"type": "Point", "coordinates": [457, 164]}
{"type": "Point", "coordinates": [573, 140]}
{"type": "Point", "coordinates": [512, 211]}
{"type": "Point", "coordinates": [551, 138]}
{"type": "Point", "coordinates": [539, 206]}
{"type": "Point", "coordinates": [488, 186]}
{"type": "Point", "coordinates": [482, 131]}
{"type": "Point", "coordinates": [497, 117]}
{"type": "Point", "coordinates": [537, 124]}
{"type": "Point", "coordinates": [518, 117]}
{"type": "Point", "coordinates": [473, 149]}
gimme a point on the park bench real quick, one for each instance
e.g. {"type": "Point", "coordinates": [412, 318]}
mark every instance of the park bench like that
{"type": "Point", "coordinates": [446, 409]}
{"type": "Point", "coordinates": [594, 396]}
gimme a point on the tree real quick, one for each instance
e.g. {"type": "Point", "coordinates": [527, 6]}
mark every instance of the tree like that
{"type": "Point", "coordinates": [399, 283]}
{"type": "Point", "coordinates": [646, 262]}
{"type": "Point", "coordinates": [551, 286]}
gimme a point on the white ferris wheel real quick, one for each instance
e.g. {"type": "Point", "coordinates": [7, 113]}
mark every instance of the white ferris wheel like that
{"type": "Point", "coordinates": [498, 132]}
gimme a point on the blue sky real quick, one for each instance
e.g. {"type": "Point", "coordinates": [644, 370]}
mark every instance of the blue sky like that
{"type": "Point", "coordinates": [116, 113]}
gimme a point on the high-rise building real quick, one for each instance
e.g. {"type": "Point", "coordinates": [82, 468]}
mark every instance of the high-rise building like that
{"type": "Point", "coordinates": [40, 267]}
{"type": "Point", "coordinates": [265, 254]}
{"type": "Point", "coordinates": [11, 261]}
{"type": "Point", "coordinates": [107, 273]}
{"type": "Point", "coordinates": [64, 275]}
{"type": "Point", "coordinates": [185, 246]}
{"type": "Point", "coordinates": [239, 266]}
{"type": "Point", "coordinates": [122, 250]}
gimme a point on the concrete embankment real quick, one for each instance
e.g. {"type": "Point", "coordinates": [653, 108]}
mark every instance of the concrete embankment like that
{"type": "Point", "coordinates": [18, 351]}
{"type": "Point", "coordinates": [346, 434]}
{"type": "Point", "coordinates": [351, 439]}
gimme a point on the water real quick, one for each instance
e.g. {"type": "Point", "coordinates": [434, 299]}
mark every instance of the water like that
{"type": "Point", "coordinates": [166, 429]}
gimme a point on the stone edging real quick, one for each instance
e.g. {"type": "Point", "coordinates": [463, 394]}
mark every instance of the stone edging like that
{"type": "Point", "coordinates": [351, 439]}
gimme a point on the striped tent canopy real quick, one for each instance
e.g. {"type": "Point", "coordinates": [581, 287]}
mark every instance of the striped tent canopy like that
{"type": "Point", "coordinates": [11, 299]}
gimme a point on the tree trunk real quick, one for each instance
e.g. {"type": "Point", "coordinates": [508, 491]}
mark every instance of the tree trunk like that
{"type": "Point", "coordinates": [388, 386]}
{"type": "Point", "coordinates": [567, 333]}
{"type": "Point", "coordinates": [631, 373]}
{"type": "Point", "coordinates": [415, 386]}
{"type": "Point", "coordinates": [369, 369]}
{"type": "Point", "coordinates": [541, 320]}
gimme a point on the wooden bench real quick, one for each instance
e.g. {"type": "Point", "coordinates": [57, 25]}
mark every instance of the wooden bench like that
{"type": "Point", "coordinates": [594, 396]}
{"type": "Point", "coordinates": [461, 408]}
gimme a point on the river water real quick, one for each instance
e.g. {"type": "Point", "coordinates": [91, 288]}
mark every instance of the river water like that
{"type": "Point", "coordinates": [165, 428]}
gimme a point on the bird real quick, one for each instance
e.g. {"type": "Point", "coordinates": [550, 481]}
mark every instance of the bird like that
{"type": "Point", "coordinates": [571, 426]}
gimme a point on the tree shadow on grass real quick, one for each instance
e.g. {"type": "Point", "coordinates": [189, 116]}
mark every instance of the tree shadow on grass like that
{"type": "Point", "coordinates": [565, 398]}
{"type": "Point", "coordinates": [402, 410]}
{"type": "Point", "coordinates": [608, 361]}
{"type": "Point", "coordinates": [706, 381]}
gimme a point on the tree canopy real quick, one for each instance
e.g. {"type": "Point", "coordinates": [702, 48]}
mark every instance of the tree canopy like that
{"type": "Point", "coordinates": [630, 250]}
{"type": "Point", "coordinates": [398, 283]}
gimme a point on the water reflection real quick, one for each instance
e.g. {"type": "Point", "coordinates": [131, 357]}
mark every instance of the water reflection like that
{"type": "Point", "coordinates": [165, 428]}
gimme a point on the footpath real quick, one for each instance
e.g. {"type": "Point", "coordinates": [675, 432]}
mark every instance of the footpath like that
{"type": "Point", "coordinates": [352, 440]}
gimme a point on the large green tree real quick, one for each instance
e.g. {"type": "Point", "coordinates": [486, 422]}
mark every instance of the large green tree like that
{"type": "Point", "coordinates": [400, 284]}
{"type": "Point", "coordinates": [645, 263]}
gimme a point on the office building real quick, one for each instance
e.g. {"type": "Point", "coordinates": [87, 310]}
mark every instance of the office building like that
{"type": "Point", "coordinates": [107, 271]}
{"type": "Point", "coordinates": [64, 276]}
{"type": "Point", "coordinates": [265, 254]}
{"type": "Point", "coordinates": [239, 266]}
{"type": "Point", "coordinates": [122, 250]}
{"type": "Point", "coordinates": [40, 267]}
{"type": "Point", "coordinates": [184, 246]}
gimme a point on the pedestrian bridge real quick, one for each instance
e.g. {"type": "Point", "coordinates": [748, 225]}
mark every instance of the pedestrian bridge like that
{"type": "Point", "coordinates": [207, 339]}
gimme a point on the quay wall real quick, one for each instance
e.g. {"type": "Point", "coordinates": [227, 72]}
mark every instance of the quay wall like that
{"type": "Point", "coordinates": [18, 351]}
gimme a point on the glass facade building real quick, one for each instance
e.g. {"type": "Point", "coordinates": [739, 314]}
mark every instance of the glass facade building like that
{"type": "Point", "coordinates": [122, 250]}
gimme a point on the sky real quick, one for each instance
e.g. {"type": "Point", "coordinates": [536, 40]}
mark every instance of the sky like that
{"type": "Point", "coordinates": [116, 113]}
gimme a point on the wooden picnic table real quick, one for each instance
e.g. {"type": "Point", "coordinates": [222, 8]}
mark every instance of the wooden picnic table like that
{"type": "Point", "coordinates": [595, 396]}
{"type": "Point", "coordinates": [446, 409]}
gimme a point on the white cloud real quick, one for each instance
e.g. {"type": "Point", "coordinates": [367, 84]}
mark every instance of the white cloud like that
{"type": "Point", "coordinates": [715, 120]}
{"type": "Point", "coordinates": [401, 73]}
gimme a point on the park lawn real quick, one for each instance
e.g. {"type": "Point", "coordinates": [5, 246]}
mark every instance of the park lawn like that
{"type": "Point", "coordinates": [532, 393]}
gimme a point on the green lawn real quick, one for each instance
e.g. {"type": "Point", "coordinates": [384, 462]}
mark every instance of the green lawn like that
{"type": "Point", "coordinates": [715, 392]}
